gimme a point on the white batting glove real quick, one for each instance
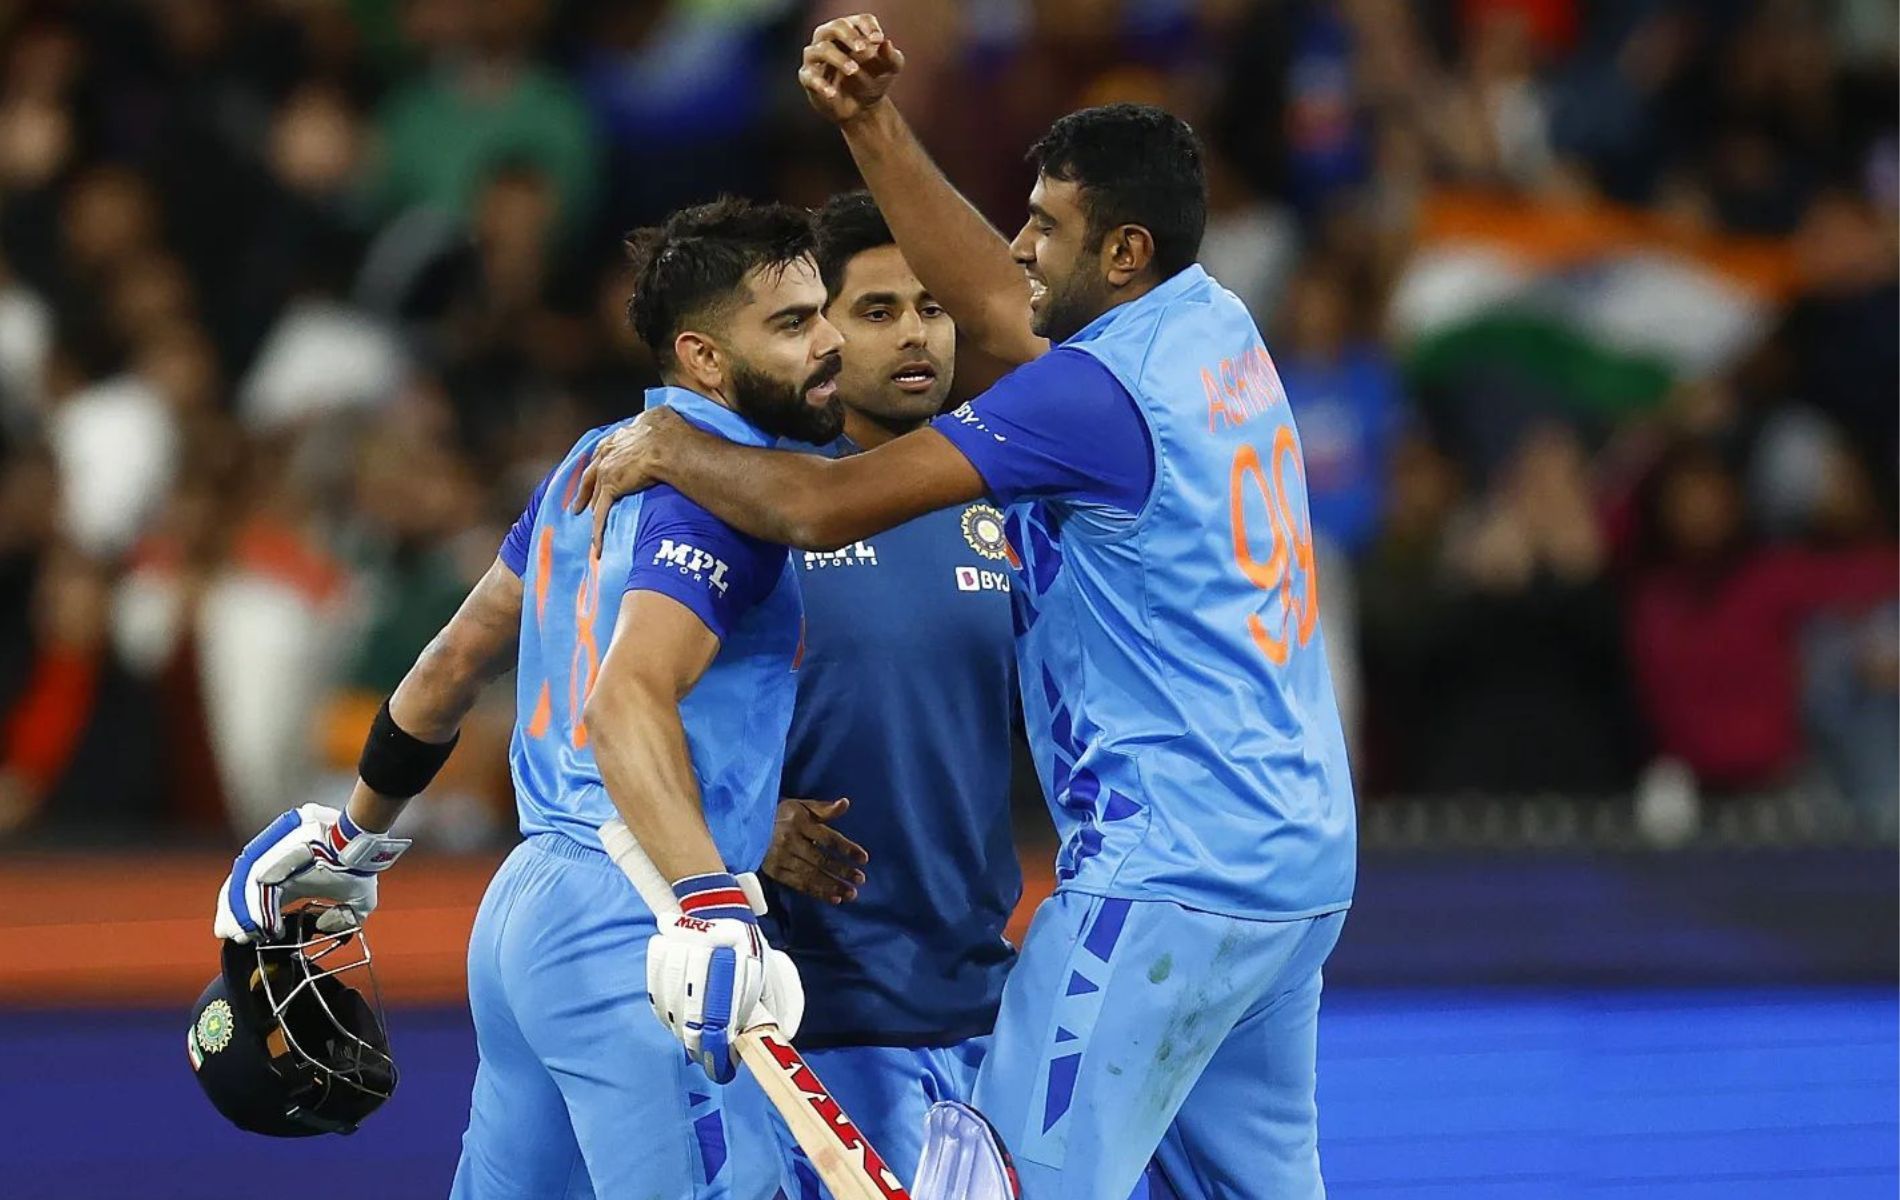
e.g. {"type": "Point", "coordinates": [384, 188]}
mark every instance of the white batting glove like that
{"type": "Point", "coordinates": [711, 975]}
{"type": "Point", "coordinates": [310, 852]}
{"type": "Point", "coordinates": [782, 1003]}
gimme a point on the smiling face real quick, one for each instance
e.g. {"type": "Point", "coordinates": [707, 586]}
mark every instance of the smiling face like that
{"type": "Point", "coordinates": [1063, 259]}
{"type": "Point", "coordinates": [900, 346]}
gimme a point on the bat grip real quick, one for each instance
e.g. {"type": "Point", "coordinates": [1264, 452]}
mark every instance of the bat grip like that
{"type": "Point", "coordinates": [621, 846]}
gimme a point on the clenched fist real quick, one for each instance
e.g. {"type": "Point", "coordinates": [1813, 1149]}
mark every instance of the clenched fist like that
{"type": "Point", "coordinates": [848, 67]}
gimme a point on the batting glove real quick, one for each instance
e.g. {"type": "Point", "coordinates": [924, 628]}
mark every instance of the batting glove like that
{"type": "Point", "coordinates": [310, 852]}
{"type": "Point", "coordinates": [711, 975]}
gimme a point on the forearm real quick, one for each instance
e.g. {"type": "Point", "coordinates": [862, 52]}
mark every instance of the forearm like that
{"type": "Point", "coordinates": [640, 746]}
{"type": "Point", "coordinates": [476, 647]}
{"type": "Point", "coordinates": [438, 692]}
{"type": "Point", "coordinates": [429, 705]}
{"type": "Point", "coordinates": [956, 253]}
{"type": "Point", "coordinates": [777, 496]}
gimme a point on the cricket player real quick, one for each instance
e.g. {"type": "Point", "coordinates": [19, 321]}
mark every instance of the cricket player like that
{"type": "Point", "coordinates": [1172, 667]}
{"type": "Point", "coordinates": [654, 681]}
{"type": "Point", "coordinates": [903, 729]}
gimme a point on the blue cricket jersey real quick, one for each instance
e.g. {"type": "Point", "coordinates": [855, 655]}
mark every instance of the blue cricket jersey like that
{"type": "Point", "coordinates": [744, 589]}
{"type": "Point", "coordinates": [1173, 671]}
{"type": "Point", "coordinates": [904, 705]}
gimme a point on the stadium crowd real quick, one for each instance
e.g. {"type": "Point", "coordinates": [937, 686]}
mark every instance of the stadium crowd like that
{"type": "Point", "coordinates": [1586, 311]}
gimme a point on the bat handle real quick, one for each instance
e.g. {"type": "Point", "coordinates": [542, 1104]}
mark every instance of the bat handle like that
{"type": "Point", "coordinates": [787, 1080]}
{"type": "Point", "coordinates": [621, 846]}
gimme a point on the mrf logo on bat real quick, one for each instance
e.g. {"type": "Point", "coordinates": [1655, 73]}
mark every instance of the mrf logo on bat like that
{"type": "Point", "coordinates": [834, 1117]}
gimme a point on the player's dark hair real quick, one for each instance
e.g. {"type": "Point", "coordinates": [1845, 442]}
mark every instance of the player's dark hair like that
{"type": "Point", "coordinates": [700, 257]}
{"type": "Point", "coordinates": [848, 225]}
{"type": "Point", "coordinates": [1136, 165]}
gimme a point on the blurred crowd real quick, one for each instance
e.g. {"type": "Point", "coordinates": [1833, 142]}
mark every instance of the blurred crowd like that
{"type": "Point", "coordinates": [1587, 313]}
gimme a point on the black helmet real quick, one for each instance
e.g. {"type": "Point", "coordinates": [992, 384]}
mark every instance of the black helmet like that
{"type": "Point", "coordinates": [282, 1044]}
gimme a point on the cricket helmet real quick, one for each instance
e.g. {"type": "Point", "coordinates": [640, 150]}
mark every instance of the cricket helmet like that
{"type": "Point", "coordinates": [289, 1039]}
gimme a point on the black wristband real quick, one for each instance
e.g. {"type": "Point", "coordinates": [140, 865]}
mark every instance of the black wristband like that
{"type": "Point", "coordinates": [397, 765]}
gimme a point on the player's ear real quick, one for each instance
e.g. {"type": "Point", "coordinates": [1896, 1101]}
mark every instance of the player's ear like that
{"type": "Point", "coordinates": [701, 361]}
{"type": "Point", "coordinates": [1126, 253]}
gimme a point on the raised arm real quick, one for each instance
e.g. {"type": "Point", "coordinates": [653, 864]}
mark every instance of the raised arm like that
{"type": "Point", "coordinates": [847, 71]}
{"type": "Point", "coordinates": [472, 650]}
{"type": "Point", "coordinates": [794, 499]}
{"type": "Point", "coordinates": [315, 851]}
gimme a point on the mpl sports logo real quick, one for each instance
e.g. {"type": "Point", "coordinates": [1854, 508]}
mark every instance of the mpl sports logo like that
{"type": "Point", "coordinates": [857, 554]}
{"type": "Point", "coordinates": [691, 560]}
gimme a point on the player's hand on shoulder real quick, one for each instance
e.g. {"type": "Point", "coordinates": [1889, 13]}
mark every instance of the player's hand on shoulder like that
{"type": "Point", "coordinates": [848, 67]}
{"type": "Point", "coordinates": [809, 856]}
{"type": "Point", "coordinates": [625, 462]}
{"type": "Point", "coordinates": [711, 975]}
{"type": "Point", "coordinates": [312, 852]}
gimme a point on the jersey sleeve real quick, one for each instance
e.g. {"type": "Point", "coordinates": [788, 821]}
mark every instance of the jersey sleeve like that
{"type": "Point", "coordinates": [1061, 427]}
{"type": "Point", "coordinates": [514, 547]}
{"type": "Point", "coordinates": [683, 551]}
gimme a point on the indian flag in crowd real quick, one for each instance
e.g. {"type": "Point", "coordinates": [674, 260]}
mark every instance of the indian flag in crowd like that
{"type": "Point", "coordinates": [1604, 308]}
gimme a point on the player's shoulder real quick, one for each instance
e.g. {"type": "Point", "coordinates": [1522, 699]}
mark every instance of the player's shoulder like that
{"type": "Point", "coordinates": [665, 508]}
{"type": "Point", "coordinates": [1066, 359]}
{"type": "Point", "coordinates": [1067, 367]}
{"type": "Point", "coordinates": [1088, 376]}
{"type": "Point", "coordinates": [575, 460]}
{"type": "Point", "coordinates": [586, 443]}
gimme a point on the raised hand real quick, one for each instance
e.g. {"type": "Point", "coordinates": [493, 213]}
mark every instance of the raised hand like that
{"type": "Point", "coordinates": [848, 67]}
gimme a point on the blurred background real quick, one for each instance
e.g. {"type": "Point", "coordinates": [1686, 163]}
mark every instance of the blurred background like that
{"type": "Point", "coordinates": [1587, 313]}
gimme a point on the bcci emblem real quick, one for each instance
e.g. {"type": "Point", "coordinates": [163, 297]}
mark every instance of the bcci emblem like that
{"type": "Point", "coordinates": [983, 529]}
{"type": "Point", "coordinates": [214, 1027]}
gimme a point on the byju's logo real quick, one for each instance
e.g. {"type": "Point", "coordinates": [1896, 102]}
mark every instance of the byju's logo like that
{"type": "Point", "coordinates": [971, 579]}
{"type": "Point", "coordinates": [965, 415]}
{"type": "Point", "coordinates": [857, 554]}
{"type": "Point", "coordinates": [691, 560]}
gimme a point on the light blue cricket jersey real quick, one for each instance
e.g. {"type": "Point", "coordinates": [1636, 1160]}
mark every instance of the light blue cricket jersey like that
{"type": "Point", "coordinates": [1174, 676]}
{"type": "Point", "coordinates": [746, 591]}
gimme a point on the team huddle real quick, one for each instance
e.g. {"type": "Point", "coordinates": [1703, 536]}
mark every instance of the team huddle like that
{"type": "Point", "coordinates": [780, 625]}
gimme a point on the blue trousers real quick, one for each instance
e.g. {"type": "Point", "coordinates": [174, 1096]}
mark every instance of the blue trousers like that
{"type": "Point", "coordinates": [887, 1090]}
{"type": "Point", "coordinates": [1138, 1030]}
{"type": "Point", "coordinates": [580, 1091]}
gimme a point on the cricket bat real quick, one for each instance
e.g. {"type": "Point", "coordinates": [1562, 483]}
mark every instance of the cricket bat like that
{"type": "Point", "coordinates": [844, 1158]}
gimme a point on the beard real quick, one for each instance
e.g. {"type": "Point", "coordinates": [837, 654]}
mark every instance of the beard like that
{"type": "Point", "coordinates": [781, 409]}
{"type": "Point", "coordinates": [1068, 309]}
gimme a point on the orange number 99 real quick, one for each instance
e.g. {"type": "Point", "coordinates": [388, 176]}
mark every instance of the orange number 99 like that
{"type": "Point", "coordinates": [1289, 566]}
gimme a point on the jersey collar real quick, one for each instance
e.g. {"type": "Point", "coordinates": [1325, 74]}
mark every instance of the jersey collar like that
{"type": "Point", "coordinates": [1173, 287]}
{"type": "Point", "coordinates": [709, 415]}
{"type": "Point", "coordinates": [839, 447]}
